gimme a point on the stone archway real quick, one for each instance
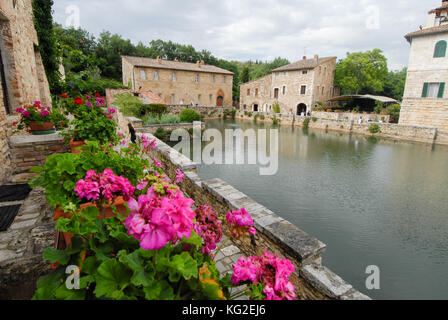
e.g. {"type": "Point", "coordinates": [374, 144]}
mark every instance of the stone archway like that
{"type": "Point", "coordinates": [301, 107]}
{"type": "Point", "coordinates": [255, 107]}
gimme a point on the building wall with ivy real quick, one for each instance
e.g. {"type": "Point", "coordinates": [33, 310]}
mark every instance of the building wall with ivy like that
{"type": "Point", "coordinates": [25, 80]}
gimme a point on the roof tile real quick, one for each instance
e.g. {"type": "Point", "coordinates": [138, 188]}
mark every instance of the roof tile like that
{"type": "Point", "coordinates": [303, 64]}
{"type": "Point", "coordinates": [174, 65]}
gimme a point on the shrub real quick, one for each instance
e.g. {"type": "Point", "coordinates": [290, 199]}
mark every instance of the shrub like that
{"type": "Point", "coordinates": [156, 108]}
{"type": "Point", "coordinates": [256, 118]}
{"type": "Point", "coordinates": [189, 115]}
{"type": "Point", "coordinates": [276, 107]}
{"type": "Point", "coordinates": [306, 123]}
{"type": "Point", "coordinates": [129, 105]}
{"type": "Point", "coordinates": [233, 114]}
{"type": "Point", "coordinates": [165, 119]}
{"type": "Point", "coordinates": [262, 117]}
{"type": "Point", "coordinates": [374, 128]}
{"type": "Point", "coordinates": [394, 112]}
{"type": "Point", "coordinates": [314, 119]}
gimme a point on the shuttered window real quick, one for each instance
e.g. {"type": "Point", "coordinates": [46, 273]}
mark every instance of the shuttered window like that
{"type": "Point", "coordinates": [440, 50]}
{"type": "Point", "coordinates": [433, 90]}
{"type": "Point", "coordinates": [441, 90]}
{"type": "Point", "coordinates": [425, 90]}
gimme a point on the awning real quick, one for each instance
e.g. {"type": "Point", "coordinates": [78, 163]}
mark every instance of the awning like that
{"type": "Point", "coordinates": [366, 96]}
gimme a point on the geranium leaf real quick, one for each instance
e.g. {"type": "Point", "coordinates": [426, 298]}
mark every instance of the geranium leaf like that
{"type": "Point", "coordinates": [185, 265]}
{"type": "Point", "coordinates": [159, 290]}
{"type": "Point", "coordinates": [47, 285]}
{"type": "Point", "coordinates": [62, 293]}
{"type": "Point", "coordinates": [111, 276]}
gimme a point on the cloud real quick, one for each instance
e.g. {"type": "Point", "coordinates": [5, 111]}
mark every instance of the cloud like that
{"type": "Point", "coordinates": [258, 29]}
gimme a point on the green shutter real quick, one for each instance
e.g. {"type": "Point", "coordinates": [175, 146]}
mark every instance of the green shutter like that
{"type": "Point", "coordinates": [425, 90]}
{"type": "Point", "coordinates": [441, 90]}
{"type": "Point", "coordinates": [440, 50]}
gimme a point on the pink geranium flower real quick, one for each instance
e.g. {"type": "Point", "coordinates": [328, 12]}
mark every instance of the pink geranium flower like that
{"type": "Point", "coordinates": [179, 176]}
{"type": "Point", "coordinates": [107, 185]}
{"type": "Point", "coordinates": [269, 270]}
{"type": "Point", "coordinates": [165, 219]}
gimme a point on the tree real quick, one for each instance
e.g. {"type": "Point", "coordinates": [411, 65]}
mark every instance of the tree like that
{"type": "Point", "coordinates": [43, 22]}
{"type": "Point", "coordinates": [245, 74]}
{"type": "Point", "coordinates": [395, 83]}
{"type": "Point", "coordinates": [362, 71]}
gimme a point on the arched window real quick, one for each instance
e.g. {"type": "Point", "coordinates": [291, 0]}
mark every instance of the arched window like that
{"type": "Point", "coordinates": [440, 50]}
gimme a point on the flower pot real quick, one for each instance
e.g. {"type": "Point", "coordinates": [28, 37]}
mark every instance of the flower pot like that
{"type": "Point", "coordinates": [41, 129]}
{"type": "Point", "coordinates": [74, 145]}
{"type": "Point", "coordinates": [119, 203]}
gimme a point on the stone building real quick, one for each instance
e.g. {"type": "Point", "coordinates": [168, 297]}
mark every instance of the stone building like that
{"type": "Point", "coordinates": [179, 83]}
{"type": "Point", "coordinates": [425, 100]}
{"type": "Point", "coordinates": [22, 74]}
{"type": "Point", "coordinates": [296, 87]}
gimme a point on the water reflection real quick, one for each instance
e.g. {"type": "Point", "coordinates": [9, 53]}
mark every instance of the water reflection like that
{"type": "Point", "coordinates": [372, 201]}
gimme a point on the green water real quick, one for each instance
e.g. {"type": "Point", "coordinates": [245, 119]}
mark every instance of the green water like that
{"type": "Point", "coordinates": [372, 201]}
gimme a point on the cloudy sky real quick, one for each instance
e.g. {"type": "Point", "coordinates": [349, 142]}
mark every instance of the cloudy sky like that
{"type": "Point", "coordinates": [258, 29]}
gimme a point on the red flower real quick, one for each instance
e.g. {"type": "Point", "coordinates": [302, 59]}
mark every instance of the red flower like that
{"type": "Point", "coordinates": [78, 101]}
{"type": "Point", "coordinates": [14, 124]}
{"type": "Point", "coordinates": [97, 95]}
{"type": "Point", "coordinates": [64, 96]}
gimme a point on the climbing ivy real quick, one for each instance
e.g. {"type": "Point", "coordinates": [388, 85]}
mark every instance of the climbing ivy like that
{"type": "Point", "coordinates": [43, 22]}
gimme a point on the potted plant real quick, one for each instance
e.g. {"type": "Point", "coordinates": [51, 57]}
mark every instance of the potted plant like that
{"type": "Point", "coordinates": [38, 119]}
{"type": "Point", "coordinates": [92, 125]}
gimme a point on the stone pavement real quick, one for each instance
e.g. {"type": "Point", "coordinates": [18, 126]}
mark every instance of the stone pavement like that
{"type": "Point", "coordinates": [21, 247]}
{"type": "Point", "coordinates": [224, 260]}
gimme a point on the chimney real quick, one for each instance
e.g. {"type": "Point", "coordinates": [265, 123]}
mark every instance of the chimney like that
{"type": "Point", "coordinates": [202, 62]}
{"type": "Point", "coordinates": [159, 59]}
{"type": "Point", "coordinates": [176, 60]}
{"type": "Point", "coordinates": [316, 57]}
{"type": "Point", "coordinates": [304, 57]}
{"type": "Point", "coordinates": [198, 63]}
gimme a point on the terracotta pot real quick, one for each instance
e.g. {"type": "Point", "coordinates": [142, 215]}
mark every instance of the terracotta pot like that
{"type": "Point", "coordinates": [41, 129]}
{"type": "Point", "coordinates": [119, 203]}
{"type": "Point", "coordinates": [74, 145]}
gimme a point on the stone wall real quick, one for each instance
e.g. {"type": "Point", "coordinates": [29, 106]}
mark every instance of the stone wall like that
{"type": "Point", "coordinates": [29, 151]}
{"type": "Point", "coordinates": [274, 234]}
{"type": "Point", "coordinates": [25, 76]}
{"type": "Point", "coordinates": [350, 116]}
{"type": "Point", "coordinates": [167, 127]}
{"type": "Point", "coordinates": [442, 137]}
{"type": "Point", "coordinates": [387, 130]}
{"type": "Point", "coordinates": [4, 147]}
{"type": "Point", "coordinates": [425, 112]}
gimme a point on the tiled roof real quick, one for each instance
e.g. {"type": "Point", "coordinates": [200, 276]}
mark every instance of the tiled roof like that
{"type": "Point", "coordinates": [151, 97]}
{"type": "Point", "coordinates": [433, 30]}
{"type": "Point", "coordinates": [174, 65]}
{"type": "Point", "coordinates": [304, 64]}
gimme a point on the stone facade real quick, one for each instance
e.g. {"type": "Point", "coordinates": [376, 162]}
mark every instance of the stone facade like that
{"type": "Point", "coordinates": [179, 82]}
{"type": "Point", "coordinates": [297, 87]}
{"type": "Point", "coordinates": [23, 78]}
{"type": "Point", "coordinates": [421, 105]}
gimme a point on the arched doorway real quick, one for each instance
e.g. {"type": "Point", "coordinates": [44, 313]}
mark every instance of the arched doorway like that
{"type": "Point", "coordinates": [255, 107]}
{"type": "Point", "coordinates": [301, 108]}
{"type": "Point", "coordinates": [220, 101]}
